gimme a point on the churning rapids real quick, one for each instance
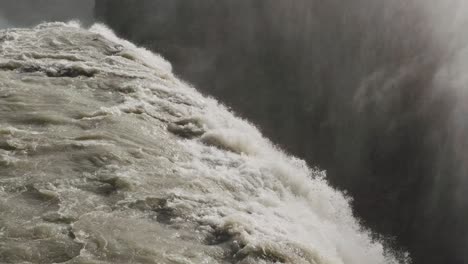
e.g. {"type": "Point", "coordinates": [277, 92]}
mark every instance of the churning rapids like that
{"type": "Point", "coordinates": [106, 157]}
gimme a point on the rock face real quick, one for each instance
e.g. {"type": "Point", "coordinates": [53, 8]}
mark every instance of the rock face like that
{"type": "Point", "coordinates": [106, 157]}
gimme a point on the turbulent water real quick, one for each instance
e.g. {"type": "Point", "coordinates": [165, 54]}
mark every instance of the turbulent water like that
{"type": "Point", "coordinates": [107, 157]}
{"type": "Point", "coordinates": [372, 91]}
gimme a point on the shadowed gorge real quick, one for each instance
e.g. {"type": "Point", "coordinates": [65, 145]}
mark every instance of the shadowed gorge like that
{"type": "Point", "coordinates": [372, 91]}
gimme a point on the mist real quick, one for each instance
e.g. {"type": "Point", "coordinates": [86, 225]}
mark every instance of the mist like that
{"type": "Point", "coordinates": [3, 23]}
{"type": "Point", "coordinates": [26, 13]}
{"type": "Point", "coordinates": [371, 91]}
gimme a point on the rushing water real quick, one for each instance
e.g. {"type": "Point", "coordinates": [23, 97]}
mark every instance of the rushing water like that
{"type": "Point", "coordinates": [106, 157]}
{"type": "Point", "coordinates": [372, 91]}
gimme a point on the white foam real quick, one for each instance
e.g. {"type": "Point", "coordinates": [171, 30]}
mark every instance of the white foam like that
{"type": "Point", "coordinates": [266, 200]}
{"type": "Point", "coordinates": [133, 52]}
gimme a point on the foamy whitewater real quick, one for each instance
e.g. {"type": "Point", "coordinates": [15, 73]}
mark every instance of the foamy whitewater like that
{"type": "Point", "coordinates": [106, 157]}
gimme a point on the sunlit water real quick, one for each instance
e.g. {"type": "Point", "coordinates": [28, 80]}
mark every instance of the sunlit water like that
{"type": "Point", "coordinates": [107, 157]}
